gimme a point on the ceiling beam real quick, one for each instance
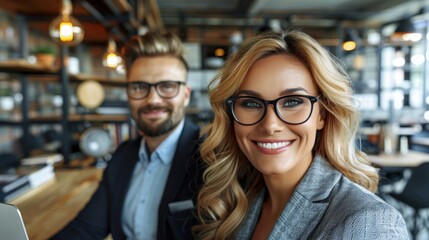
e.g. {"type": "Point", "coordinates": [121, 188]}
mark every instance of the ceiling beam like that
{"type": "Point", "coordinates": [243, 8]}
{"type": "Point", "coordinates": [122, 5]}
{"type": "Point", "coordinates": [154, 9]}
{"type": "Point", "coordinates": [103, 20]}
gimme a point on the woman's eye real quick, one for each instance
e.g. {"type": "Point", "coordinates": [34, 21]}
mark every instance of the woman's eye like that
{"type": "Point", "coordinates": [250, 103]}
{"type": "Point", "coordinates": [292, 102]}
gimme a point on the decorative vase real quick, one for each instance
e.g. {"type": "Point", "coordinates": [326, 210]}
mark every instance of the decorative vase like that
{"type": "Point", "coordinates": [46, 60]}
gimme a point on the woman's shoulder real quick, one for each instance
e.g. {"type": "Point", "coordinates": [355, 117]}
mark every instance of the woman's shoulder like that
{"type": "Point", "coordinates": [354, 211]}
{"type": "Point", "coordinates": [347, 193]}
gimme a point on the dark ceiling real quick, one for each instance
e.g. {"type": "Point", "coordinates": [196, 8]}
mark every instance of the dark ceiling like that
{"type": "Point", "coordinates": [211, 20]}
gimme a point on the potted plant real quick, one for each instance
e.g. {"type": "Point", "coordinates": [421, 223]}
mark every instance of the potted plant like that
{"type": "Point", "coordinates": [45, 55]}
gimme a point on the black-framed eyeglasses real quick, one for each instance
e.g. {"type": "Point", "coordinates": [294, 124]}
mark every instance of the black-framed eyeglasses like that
{"type": "Point", "coordinates": [291, 109]}
{"type": "Point", "coordinates": [165, 89]}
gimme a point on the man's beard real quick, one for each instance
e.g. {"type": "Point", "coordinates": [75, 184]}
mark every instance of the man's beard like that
{"type": "Point", "coordinates": [165, 127]}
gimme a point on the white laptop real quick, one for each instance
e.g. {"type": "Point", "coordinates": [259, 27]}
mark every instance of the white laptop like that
{"type": "Point", "coordinates": [11, 223]}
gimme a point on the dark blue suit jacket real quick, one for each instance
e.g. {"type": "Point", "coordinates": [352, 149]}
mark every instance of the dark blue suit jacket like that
{"type": "Point", "coordinates": [103, 213]}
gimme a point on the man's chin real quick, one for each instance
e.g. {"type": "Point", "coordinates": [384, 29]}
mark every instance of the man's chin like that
{"type": "Point", "coordinates": [158, 129]}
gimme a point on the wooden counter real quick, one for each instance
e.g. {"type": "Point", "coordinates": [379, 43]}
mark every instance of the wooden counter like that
{"type": "Point", "coordinates": [47, 209]}
{"type": "Point", "coordinates": [411, 159]}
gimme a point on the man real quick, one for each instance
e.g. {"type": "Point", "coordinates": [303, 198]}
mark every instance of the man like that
{"type": "Point", "coordinates": [149, 186]}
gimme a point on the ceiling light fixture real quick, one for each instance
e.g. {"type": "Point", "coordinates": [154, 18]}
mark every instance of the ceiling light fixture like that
{"type": "Point", "coordinates": [65, 28]}
{"type": "Point", "coordinates": [349, 43]}
{"type": "Point", "coordinates": [405, 31]}
{"type": "Point", "coordinates": [111, 58]}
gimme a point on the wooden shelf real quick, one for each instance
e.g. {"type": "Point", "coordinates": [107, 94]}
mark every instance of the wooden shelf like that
{"type": "Point", "coordinates": [81, 118]}
{"type": "Point", "coordinates": [23, 66]}
{"type": "Point", "coordinates": [100, 79]}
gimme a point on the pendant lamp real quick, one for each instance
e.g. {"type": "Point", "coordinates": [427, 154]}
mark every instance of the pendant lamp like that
{"type": "Point", "coordinates": [111, 58]}
{"type": "Point", "coordinates": [405, 31]}
{"type": "Point", "coordinates": [349, 43]}
{"type": "Point", "coordinates": [66, 29]}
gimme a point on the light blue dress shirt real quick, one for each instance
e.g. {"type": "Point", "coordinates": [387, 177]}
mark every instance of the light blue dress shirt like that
{"type": "Point", "coordinates": [140, 210]}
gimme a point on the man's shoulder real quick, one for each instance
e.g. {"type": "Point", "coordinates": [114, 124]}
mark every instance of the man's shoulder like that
{"type": "Point", "coordinates": [191, 126]}
{"type": "Point", "coordinates": [129, 144]}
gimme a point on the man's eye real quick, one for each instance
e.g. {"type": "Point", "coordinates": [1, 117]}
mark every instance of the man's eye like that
{"type": "Point", "coordinates": [140, 87]}
{"type": "Point", "coordinates": [167, 86]}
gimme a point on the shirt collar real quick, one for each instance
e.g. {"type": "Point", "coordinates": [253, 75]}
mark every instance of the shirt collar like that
{"type": "Point", "coordinates": [165, 151]}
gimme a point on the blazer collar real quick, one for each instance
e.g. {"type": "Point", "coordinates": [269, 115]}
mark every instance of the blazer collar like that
{"type": "Point", "coordinates": [305, 208]}
{"type": "Point", "coordinates": [308, 203]}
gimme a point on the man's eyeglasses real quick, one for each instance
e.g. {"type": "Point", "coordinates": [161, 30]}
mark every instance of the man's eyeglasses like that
{"type": "Point", "coordinates": [165, 89]}
{"type": "Point", "coordinates": [291, 109]}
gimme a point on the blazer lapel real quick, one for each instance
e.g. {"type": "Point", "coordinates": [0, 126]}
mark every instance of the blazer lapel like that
{"type": "Point", "coordinates": [308, 203]}
{"type": "Point", "coordinates": [179, 168]}
{"type": "Point", "coordinates": [299, 219]}
{"type": "Point", "coordinates": [129, 158]}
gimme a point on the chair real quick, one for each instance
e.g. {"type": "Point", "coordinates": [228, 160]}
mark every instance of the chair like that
{"type": "Point", "coordinates": [416, 195]}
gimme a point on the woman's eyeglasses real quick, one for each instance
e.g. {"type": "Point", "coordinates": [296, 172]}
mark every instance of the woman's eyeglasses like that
{"type": "Point", "coordinates": [291, 109]}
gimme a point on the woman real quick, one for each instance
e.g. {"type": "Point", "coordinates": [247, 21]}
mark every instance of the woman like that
{"type": "Point", "coordinates": [280, 153]}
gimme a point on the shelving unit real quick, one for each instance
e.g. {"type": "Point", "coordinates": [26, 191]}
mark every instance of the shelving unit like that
{"type": "Point", "coordinates": [26, 71]}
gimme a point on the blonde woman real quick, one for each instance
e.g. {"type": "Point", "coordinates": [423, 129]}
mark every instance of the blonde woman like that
{"type": "Point", "coordinates": [280, 153]}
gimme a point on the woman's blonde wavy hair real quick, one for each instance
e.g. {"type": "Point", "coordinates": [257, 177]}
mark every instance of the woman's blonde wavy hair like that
{"type": "Point", "coordinates": [230, 181]}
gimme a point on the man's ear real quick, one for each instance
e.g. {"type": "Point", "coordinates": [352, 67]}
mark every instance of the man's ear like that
{"type": "Point", "coordinates": [187, 95]}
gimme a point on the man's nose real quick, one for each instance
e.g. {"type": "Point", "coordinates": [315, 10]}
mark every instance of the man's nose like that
{"type": "Point", "coordinates": [153, 95]}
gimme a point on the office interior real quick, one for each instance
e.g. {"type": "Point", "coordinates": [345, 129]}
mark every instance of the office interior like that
{"type": "Point", "coordinates": [66, 104]}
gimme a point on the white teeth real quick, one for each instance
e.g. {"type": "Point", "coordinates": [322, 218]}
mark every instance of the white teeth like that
{"type": "Point", "coordinates": [272, 145]}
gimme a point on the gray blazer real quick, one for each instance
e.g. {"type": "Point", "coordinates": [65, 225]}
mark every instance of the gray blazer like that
{"type": "Point", "coordinates": [327, 205]}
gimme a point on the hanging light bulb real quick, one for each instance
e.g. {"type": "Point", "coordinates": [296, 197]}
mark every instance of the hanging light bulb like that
{"type": "Point", "coordinates": [65, 28]}
{"type": "Point", "coordinates": [111, 58]}
{"type": "Point", "coordinates": [349, 43]}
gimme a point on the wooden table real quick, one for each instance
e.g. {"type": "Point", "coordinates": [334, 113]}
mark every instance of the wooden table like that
{"type": "Point", "coordinates": [411, 159]}
{"type": "Point", "coordinates": [47, 209]}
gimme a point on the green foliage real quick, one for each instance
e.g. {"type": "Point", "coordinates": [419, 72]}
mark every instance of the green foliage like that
{"type": "Point", "coordinates": [45, 49]}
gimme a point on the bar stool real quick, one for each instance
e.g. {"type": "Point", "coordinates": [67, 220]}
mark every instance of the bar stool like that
{"type": "Point", "coordinates": [416, 195]}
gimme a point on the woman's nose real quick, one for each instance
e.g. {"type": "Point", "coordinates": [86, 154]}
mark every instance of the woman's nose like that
{"type": "Point", "coordinates": [271, 122]}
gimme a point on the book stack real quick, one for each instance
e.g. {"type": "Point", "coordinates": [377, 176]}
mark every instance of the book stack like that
{"type": "Point", "coordinates": [12, 185]}
{"type": "Point", "coordinates": [37, 174]}
{"type": "Point", "coordinates": [32, 173]}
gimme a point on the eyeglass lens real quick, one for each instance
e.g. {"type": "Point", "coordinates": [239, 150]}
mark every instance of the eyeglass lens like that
{"type": "Point", "coordinates": [165, 89]}
{"type": "Point", "coordinates": [295, 109]}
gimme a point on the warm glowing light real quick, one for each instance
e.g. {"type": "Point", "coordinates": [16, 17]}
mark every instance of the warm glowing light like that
{"type": "Point", "coordinates": [66, 31]}
{"type": "Point", "coordinates": [65, 28]}
{"type": "Point", "coordinates": [111, 58]}
{"type": "Point", "coordinates": [349, 46]}
{"type": "Point", "coordinates": [219, 52]}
